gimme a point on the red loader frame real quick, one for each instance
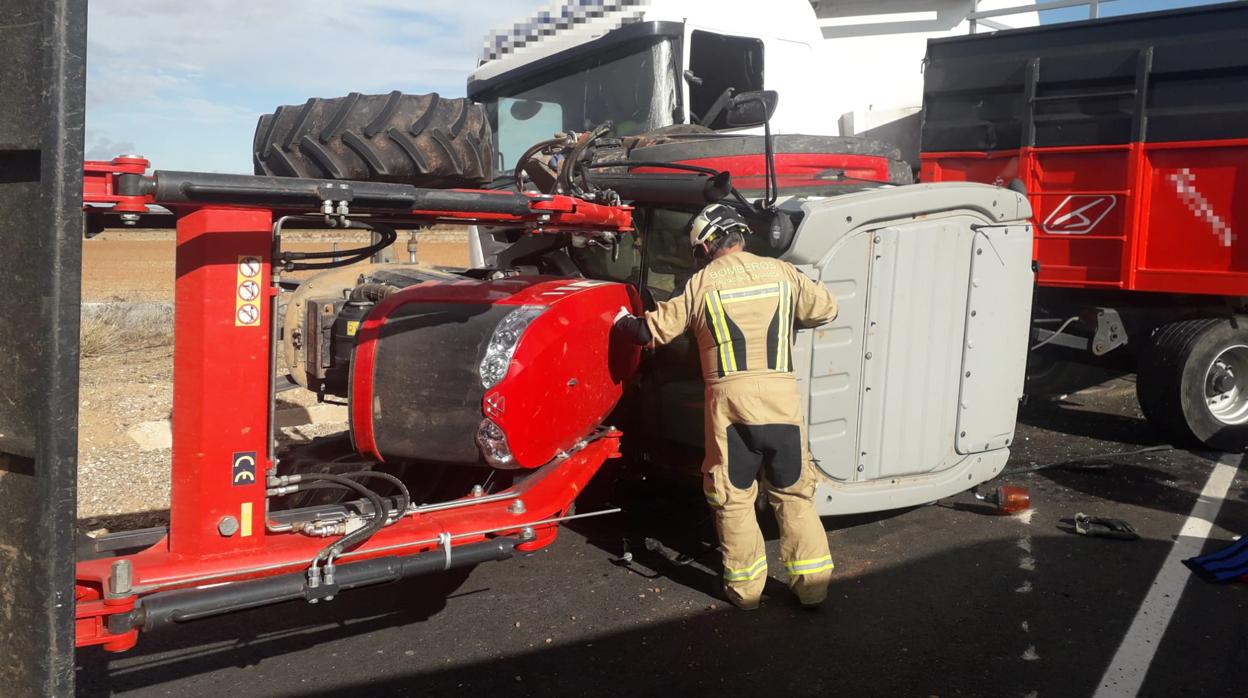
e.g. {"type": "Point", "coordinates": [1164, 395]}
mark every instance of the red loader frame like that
{"type": "Point", "coordinates": [223, 550]}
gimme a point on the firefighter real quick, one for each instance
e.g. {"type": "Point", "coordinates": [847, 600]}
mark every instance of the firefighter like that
{"type": "Point", "coordinates": [743, 310]}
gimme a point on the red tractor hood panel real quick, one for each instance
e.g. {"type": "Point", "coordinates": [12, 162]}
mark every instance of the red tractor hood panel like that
{"type": "Point", "coordinates": [417, 378]}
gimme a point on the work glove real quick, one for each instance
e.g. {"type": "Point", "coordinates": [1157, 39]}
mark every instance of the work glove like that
{"type": "Point", "coordinates": [632, 327]}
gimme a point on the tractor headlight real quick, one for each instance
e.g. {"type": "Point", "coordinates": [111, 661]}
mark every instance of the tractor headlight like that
{"type": "Point", "coordinates": [493, 443]}
{"type": "Point", "coordinates": [503, 343]}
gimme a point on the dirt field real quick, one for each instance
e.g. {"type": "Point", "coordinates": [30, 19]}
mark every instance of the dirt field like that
{"type": "Point", "coordinates": [127, 369]}
{"type": "Point", "coordinates": [138, 266]}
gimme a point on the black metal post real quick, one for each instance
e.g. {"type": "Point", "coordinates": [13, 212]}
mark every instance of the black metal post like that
{"type": "Point", "coordinates": [42, 81]}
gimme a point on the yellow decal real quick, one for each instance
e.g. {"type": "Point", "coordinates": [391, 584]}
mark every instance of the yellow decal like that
{"type": "Point", "coordinates": [244, 520]}
{"type": "Point", "coordinates": [353, 326]}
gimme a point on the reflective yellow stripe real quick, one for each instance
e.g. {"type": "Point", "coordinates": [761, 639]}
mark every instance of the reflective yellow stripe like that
{"type": "Point", "coordinates": [818, 564]}
{"type": "Point", "coordinates": [747, 573]}
{"type": "Point", "coordinates": [800, 563]}
{"type": "Point", "coordinates": [783, 360]}
{"type": "Point", "coordinates": [744, 290]}
{"type": "Point", "coordinates": [731, 366]}
{"type": "Point", "coordinates": [750, 293]}
{"type": "Point", "coordinates": [822, 568]}
{"type": "Point", "coordinates": [739, 299]}
{"type": "Point", "coordinates": [719, 323]}
{"type": "Point", "coordinates": [711, 311]}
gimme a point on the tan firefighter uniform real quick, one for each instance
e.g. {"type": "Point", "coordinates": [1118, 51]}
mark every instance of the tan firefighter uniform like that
{"type": "Point", "coordinates": [743, 310]}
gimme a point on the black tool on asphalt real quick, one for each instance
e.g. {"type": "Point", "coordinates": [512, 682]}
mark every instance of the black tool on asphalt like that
{"type": "Point", "coordinates": [656, 546]}
{"type": "Point", "coordinates": [625, 560]}
{"type": "Point", "coordinates": [1226, 565]}
{"type": "Point", "coordinates": [1104, 527]}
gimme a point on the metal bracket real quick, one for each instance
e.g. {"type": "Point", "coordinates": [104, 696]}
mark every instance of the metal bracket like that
{"type": "Point", "coordinates": [444, 541]}
{"type": "Point", "coordinates": [1110, 332]}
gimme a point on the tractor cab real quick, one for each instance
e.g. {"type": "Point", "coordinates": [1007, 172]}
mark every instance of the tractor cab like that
{"type": "Point", "coordinates": [640, 65]}
{"type": "Point", "coordinates": [840, 68]}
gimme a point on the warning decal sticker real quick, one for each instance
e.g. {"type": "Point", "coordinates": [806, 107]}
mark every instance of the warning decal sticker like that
{"type": "Point", "coordinates": [243, 471]}
{"type": "Point", "coordinates": [247, 292]}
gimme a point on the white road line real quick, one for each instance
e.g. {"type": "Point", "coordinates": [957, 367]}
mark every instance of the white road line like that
{"type": "Point", "coordinates": [1126, 672]}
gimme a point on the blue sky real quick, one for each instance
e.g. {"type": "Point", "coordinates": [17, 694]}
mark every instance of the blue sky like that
{"type": "Point", "coordinates": [1120, 7]}
{"type": "Point", "coordinates": [183, 82]}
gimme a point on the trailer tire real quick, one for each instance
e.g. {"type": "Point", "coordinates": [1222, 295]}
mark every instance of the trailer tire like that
{"type": "Point", "coordinates": [423, 140]}
{"type": "Point", "coordinates": [1192, 382]}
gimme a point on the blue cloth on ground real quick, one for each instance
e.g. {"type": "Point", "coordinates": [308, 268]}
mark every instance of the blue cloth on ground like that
{"type": "Point", "coordinates": [1226, 565]}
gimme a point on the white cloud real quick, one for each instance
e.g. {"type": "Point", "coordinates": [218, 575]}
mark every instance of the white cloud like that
{"type": "Point", "coordinates": [174, 78]}
{"type": "Point", "coordinates": [104, 148]}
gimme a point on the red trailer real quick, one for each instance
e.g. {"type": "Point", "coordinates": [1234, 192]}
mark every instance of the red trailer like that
{"type": "Point", "coordinates": [1130, 136]}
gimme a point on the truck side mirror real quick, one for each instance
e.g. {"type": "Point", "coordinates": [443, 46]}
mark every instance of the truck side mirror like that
{"type": "Point", "coordinates": [751, 108]}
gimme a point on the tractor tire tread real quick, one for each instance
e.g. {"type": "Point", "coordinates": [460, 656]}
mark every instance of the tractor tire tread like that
{"type": "Point", "coordinates": [422, 140]}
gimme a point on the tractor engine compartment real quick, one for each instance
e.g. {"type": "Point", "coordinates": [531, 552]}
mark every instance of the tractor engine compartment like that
{"type": "Point", "coordinates": [439, 367]}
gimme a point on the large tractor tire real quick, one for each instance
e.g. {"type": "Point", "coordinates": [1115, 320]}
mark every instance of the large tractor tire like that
{"type": "Point", "coordinates": [423, 140]}
{"type": "Point", "coordinates": [1193, 382]}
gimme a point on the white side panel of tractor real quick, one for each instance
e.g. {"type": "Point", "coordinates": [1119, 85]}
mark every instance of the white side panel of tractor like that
{"type": "Point", "coordinates": [921, 272]}
{"type": "Point", "coordinates": [913, 349]}
{"type": "Point", "coordinates": [828, 361]}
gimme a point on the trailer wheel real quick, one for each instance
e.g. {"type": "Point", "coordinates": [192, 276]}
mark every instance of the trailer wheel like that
{"type": "Point", "coordinates": [1193, 381]}
{"type": "Point", "coordinates": [424, 140]}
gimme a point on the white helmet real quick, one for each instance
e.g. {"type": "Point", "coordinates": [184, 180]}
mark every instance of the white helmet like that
{"type": "Point", "coordinates": [713, 221]}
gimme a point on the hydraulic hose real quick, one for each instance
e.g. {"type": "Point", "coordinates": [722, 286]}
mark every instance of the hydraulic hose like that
{"type": "Point", "coordinates": [356, 537]}
{"type": "Point", "coordinates": [518, 173]}
{"type": "Point", "coordinates": [572, 162]}
{"type": "Point", "coordinates": [405, 494]}
{"type": "Point", "coordinates": [387, 234]}
{"type": "Point", "coordinates": [370, 293]}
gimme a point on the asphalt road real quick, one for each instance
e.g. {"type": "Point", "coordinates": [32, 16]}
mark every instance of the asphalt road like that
{"type": "Point", "coordinates": [942, 600]}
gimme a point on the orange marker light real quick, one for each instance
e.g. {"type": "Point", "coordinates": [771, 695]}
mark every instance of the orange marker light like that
{"type": "Point", "coordinates": [1011, 500]}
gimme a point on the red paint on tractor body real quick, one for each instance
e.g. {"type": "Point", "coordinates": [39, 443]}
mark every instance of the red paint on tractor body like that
{"type": "Point", "coordinates": [566, 373]}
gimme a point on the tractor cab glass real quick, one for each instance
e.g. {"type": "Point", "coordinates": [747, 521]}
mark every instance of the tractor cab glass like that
{"type": "Point", "coordinates": [634, 87]}
{"type": "Point", "coordinates": [720, 67]}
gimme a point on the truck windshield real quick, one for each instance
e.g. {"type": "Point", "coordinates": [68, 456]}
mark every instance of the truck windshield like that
{"type": "Point", "coordinates": [636, 90]}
